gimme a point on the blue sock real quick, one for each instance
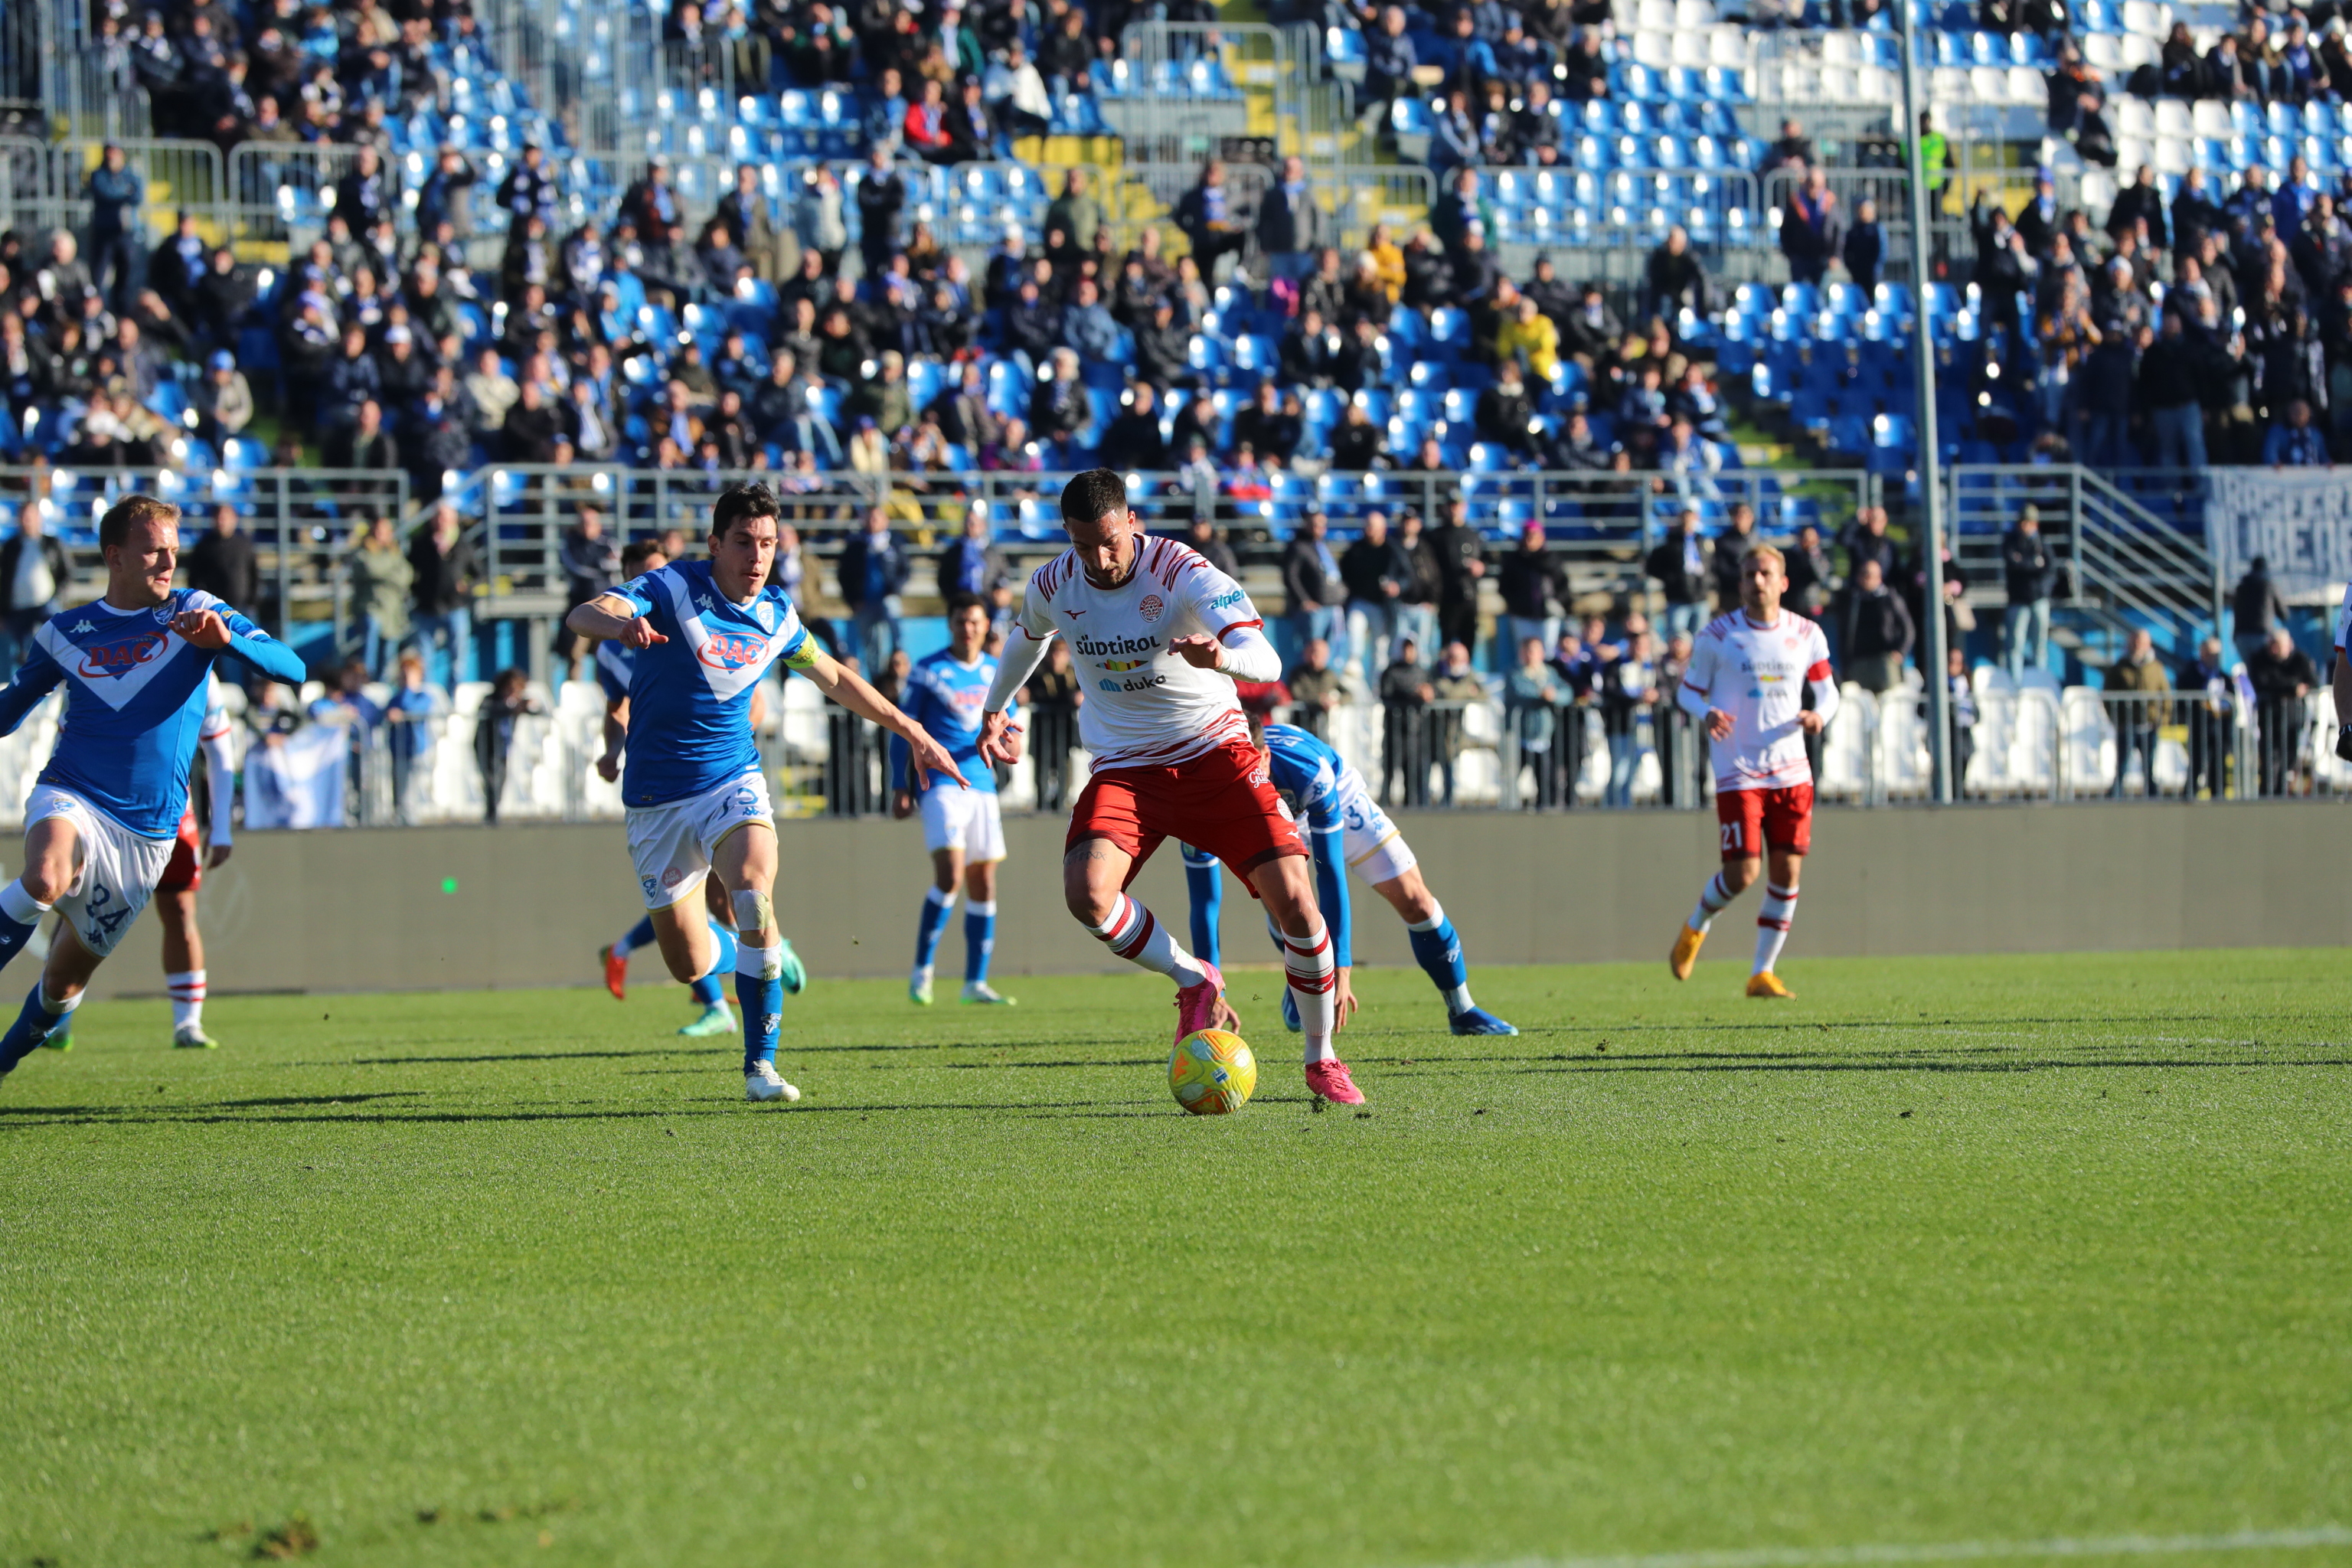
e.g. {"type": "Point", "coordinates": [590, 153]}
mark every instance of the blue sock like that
{"type": "Point", "coordinates": [1205, 880]}
{"type": "Point", "coordinates": [937, 906]}
{"type": "Point", "coordinates": [1439, 952]}
{"type": "Point", "coordinates": [20, 917]}
{"type": "Point", "coordinates": [31, 1027]}
{"type": "Point", "coordinates": [711, 988]}
{"type": "Point", "coordinates": [979, 940]}
{"type": "Point", "coordinates": [761, 997]}
{"type": "Point", "coordinates": [640, 935]}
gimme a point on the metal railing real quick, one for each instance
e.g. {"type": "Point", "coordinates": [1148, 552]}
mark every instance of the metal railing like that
{"type": "Point", "coordinates": [45, 185]}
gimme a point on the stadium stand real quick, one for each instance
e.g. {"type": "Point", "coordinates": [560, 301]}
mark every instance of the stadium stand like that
{"type": "Point", "coordinates": [1585, 265]}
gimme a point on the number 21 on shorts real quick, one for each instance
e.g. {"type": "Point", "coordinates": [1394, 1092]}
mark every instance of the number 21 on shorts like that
{"type": "Point", "coordinates": [1729, 832]}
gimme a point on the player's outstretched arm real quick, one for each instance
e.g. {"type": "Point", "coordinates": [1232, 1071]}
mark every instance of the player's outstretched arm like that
{"type": "Point", "coordinates": [611, 618]}
{"type": "Point", "coordinates": [1000, 737]}
{"type": "Point", "coordinates": [851, 690]}
{"type": "Point", "coordinates": [35, 678]}
{"type": "Point", "coordinates": [226, 631]}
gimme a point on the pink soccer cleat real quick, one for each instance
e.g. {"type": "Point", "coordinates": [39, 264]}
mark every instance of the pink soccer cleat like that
{"type": "Point", "coordinates": [1330, 1080]}
{"type": "Point", "coordinates": [1200, 1006]}
{"type": "Point", "coordinates": [616, 973]}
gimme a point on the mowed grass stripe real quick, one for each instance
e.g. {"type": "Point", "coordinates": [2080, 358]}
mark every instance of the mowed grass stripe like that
{"type": "Point", "coordinates": [1799, 1274]}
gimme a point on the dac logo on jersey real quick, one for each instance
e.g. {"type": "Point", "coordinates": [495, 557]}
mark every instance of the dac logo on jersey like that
{"type": "Point", "coordinates": [1151, 606]}
{"type": "Point", "coordinates": [731, 651]}
{"type": "Point", "coordinates": [1121, 665]}
{"type": "Point", "coordinates": [120, 657]}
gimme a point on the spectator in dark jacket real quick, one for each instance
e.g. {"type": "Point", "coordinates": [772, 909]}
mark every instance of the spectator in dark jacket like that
{"type": "Point", "coordinates": [1674, 280]}
{"type": "Point", "coordinates": [494, 734]}
{"type": "Point", "coordinates": [973, 565]}
{"type": "Point", "coordinates": [445, 564]}
{"type": "Point", "coordinates": [1684, 567]}
{"type": "Point", "coordinates": [1865, 539]}
{"type": "Point", "coordinates": [1739, 536]}
{"type": "Point", "coordinates": [223, 564]}
{"type": "Point", "coordinates": [1878, 631]}
{"type": "Point", "coordinates": [32, 573]}
{"type": "Point", "coordinates": [2255, 607]}
{"type": "Point", "coordinates": [2030, 574]}
{"type": "Point", "coordinates": [1811, 575]}
{"type": "Point", "coordinates": [873, 569]}
{"type": "Point", "coordinates": [1809, 228]}
{"type": "Point", "coordinates": [589, 561]}
{"type": "Point", "coordinates": [1865, 245]}
{"type": "Point", "coordinates": [1532, 581]}
{"type": "Point", "coordinates": [1461, 567]}
{"type": "Point", "coordinates": [1311, 582]}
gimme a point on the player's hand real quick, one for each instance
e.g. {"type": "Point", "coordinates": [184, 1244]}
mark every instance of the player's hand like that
{"type": "Point", "coordinates": [1000, 739]}
{"type": "Point", "coordinates": [902, 805]}
{"type": "Point", "coordinates": [608, 767]}
{"type": "Point", "coordinates": [1343, 1000]}
{"type": "Point", "coordinates": [640, 634]}
{"type": "Point", "coordinates": [202, 628]}
{"type": "Point", "coordinates": [1199, 651]}
{"type": "Point", "coordinates": [219, 855]}
{"type": "Point", "coordinates": [1719, 724]}
{"type": "Point", "coordinates": [932, 757]}
{"type": "Point", "coordinates": [1811, 722]}
{"type": "Point", "coordinates": [1228, 1018]}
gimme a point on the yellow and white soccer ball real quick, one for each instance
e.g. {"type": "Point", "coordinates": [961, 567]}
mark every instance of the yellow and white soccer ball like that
{"type": "Point", "coordinates": [1212, 1072]}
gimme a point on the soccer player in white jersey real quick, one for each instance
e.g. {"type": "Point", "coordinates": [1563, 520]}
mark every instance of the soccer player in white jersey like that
{"type": "Point", "coordinates": [706, 633]}
{"type": "Point", "coordinates": [1159, 637]}
{"type": "Point", "coordinates": [1746, 684]}
{"type": "Point", "coordinates": [104, 819]}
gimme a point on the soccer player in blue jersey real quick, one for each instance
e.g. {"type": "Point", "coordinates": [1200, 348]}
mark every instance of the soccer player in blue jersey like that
{"type": "Point", "coordinates": [105, 814]}
{"type": "Point", "coordinates": [1347, 832]}
{"type": "Point", "coordinates": [706, 633]}
{"type": "Point", "coordinates": [616, 665]}
{"type": "Point", "coordinates": [962, 827]}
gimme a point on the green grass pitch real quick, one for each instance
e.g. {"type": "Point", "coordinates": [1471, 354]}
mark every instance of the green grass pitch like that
{"type": "Point", "coordinates": [1944, 1251]}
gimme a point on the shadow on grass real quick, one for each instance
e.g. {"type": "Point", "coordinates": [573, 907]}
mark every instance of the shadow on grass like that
{"type": "Point", "coordinates": [18, 1117]}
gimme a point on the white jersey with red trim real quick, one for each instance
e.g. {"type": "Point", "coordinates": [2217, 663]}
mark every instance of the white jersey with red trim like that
{"type": "Point", "coordinates": [1145, 707]}
{"type": "Point", "coordinates": [1758, 675]}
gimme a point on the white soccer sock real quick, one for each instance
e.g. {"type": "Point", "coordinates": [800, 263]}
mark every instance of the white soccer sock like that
{"type": "Point", "coordinates": [1134, 934]}
{"type": "Point", "coordinates": [1307, 963]}
{"type": "Point", "coordinates": [21, 906]}
{"type": "Point", "coordinates": [1711, 901]}
{"type": "Point", "coordinates": [942, 901]}
{"type": "Point", "coordinates": [1772, 925]}
{"type": "Point", "coordinates": [187, 993]}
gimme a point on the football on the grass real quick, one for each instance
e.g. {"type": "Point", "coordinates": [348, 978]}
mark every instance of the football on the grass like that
{"type": "Point", "coordinates": [1212, 1072]}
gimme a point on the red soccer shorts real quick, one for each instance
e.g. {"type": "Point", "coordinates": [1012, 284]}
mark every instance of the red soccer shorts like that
{"type": "Point", "coordinates": [184, 871]}
{"type": "Point", "coordinates": [1753, 820]}
{"type": "Point", "coordinates": [1221, 801]}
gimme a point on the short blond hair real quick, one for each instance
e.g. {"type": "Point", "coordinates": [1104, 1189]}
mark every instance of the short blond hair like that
{"type": "Point", "coordinates": [115, 527]}
{"type": "Point", "coordinates": [1764, 553]}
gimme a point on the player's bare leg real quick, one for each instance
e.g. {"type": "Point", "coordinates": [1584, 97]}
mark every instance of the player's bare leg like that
{"type": "Point", "coordinates": [52, 853]}
{"type": "Point", "coordinates": [1287, 887]}
{"type": "Point", "coordinates": [1772, 923]}
{"type": "Point", "coordinates": [50, 1006]}
{"type": "Point", "coordinates": [184, 967]}
{"type": "Point", "coordinates": [946, 871]}
{"type": "Point", "coordinates": [745, 864]}
{"type": "Point", "coordinates": [1094, 886]}
{"type": "Point", "coordinates": [1728, 882]}
{"type": "Point", "coordinates": [1437, 948]}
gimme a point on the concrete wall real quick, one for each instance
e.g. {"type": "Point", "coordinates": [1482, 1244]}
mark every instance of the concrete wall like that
{"type": "Point", "coordinates": [525, 905]}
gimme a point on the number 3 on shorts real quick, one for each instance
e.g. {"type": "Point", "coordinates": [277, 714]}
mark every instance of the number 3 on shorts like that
{"type": "Point", "coordinates": [1730, 831]}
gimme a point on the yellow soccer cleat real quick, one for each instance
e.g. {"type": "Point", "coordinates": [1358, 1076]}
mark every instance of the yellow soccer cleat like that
{"type": "Point", "coordinates": [1686, 954]}
{"type": "Point", "coordinates": [1768, 984]}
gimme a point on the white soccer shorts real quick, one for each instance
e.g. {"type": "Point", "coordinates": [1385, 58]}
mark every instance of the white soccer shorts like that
{"type": "Point", "coordinates": [115, 869]}
{"type": "Point", "coordinates": [671, 845]}
{"type": "Point", "coordinates": [966, 819]}
{"type": "Point", "coordinates": [1369, 841]}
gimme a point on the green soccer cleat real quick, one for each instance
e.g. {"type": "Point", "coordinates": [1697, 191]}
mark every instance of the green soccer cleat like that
{"type": "Point", "coordinates": [795, 975]}
{"type": "Point", "coordinates": [715, 1020]}
{"type": "Point", "coordinates": [918, 990]}
{"type": "Point", "coordinates": [193, 1038]}
{"type": "Point", "coordinates": [61, 1038]}
{"type": "Point", "coordinates": [981, 993]}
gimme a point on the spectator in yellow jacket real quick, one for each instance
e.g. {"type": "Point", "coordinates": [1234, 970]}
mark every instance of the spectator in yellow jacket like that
{"type": "Point", "coordinates": [1532, 335]}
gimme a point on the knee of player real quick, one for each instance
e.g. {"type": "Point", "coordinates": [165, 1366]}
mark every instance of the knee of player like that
{"type": "Point", "coordinates": [1739, 874]}
{"type": "Point", "coordinates": [46, 881]}
{"type": "Point", "coordinates": [1091, 905]}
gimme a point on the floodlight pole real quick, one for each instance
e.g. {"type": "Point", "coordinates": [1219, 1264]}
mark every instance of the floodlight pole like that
{"type": "Point", "coordinates": [1931, 491]}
